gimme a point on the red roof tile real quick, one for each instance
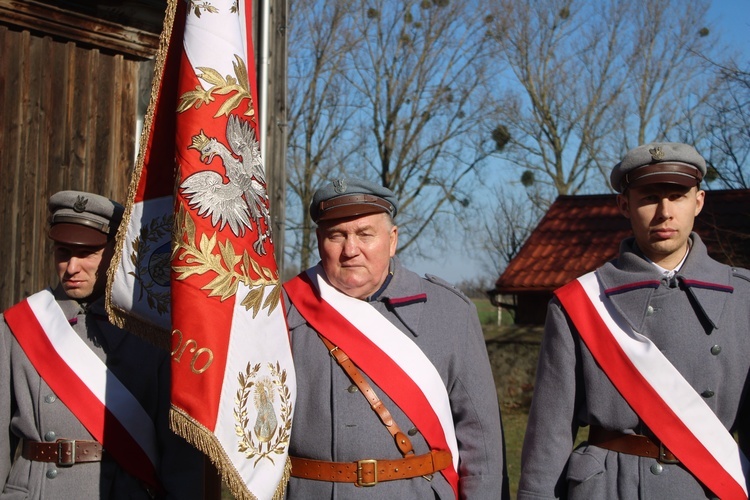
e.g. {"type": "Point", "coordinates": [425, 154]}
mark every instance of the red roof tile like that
{"type": "Point", "coordinates": [580, 233]}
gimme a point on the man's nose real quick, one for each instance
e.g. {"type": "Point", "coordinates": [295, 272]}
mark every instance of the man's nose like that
{"type": "Point", "coordinates": [351, 247]}
{"type": "Point", "coordinates": [74, 265]}
{"type": "Point", "coordinates": [664, 209]}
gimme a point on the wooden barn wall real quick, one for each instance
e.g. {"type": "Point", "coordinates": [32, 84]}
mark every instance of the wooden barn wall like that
{"type": "Point", "coordinates": [71, 87]}
{"type": "Point", "coordinates": [68, 122]}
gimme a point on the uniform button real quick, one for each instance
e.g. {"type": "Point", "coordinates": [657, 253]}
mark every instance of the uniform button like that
{"type": "Point", "coordinates": [715, 350]}
{"type": "Point", "coordinates": [50, 398]}
{"type": "Point", "coordinates": [656, 468]}
{"type": "Point", "coordinates": [708, 393]}
{"type": "Point", "coordinates": [649, 310]}
{"type": "Point", "coordinates": [352, 388]}
{"type": "Point", "coordinates": [50, 436]}
{"type": "Point", "coordinates": [52, 474]}
{"type": "Point", "coordinates": [412, 432]}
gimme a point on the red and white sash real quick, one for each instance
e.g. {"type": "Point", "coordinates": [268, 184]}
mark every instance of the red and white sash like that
{"type": "Point", "coordinates": [85, 385]}
{"type": "Point", "coordinates": [392, 360]}
{"type": "Point", "coordinates": [656, 391]}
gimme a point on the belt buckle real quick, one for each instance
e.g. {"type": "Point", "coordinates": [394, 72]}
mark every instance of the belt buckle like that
{"type": "Point", "coordinates": [360, 463]}
{"type": "Point", "coordinates": [70, 446]}
{"type": "Point", "coordinates": [662, 456]}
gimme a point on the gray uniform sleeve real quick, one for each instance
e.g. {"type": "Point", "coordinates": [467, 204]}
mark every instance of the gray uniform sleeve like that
{"type": "Point", "coordinates": [6, 449]}
{"type": "Point", "coordinates": [552, 424]}
{"type": "Point", "coordinates": [476, 415]}
{"type": "Point", "coordinates": [181, 465]}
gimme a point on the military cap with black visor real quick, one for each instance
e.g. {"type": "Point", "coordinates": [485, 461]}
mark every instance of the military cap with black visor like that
{"type": "Point", "coordinates": [660, 162]}
{"type": "Point", "coordinates": [85, 219]}
{"type": "Point", "coordinates": [351, 197]}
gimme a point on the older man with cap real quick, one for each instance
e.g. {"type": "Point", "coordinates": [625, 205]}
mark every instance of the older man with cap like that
{"type": "Point", "coordinates": [395, 393]}
{"type": "Point", "coordinates": [650, 351]}
{"type": "Point", "coordinates": [83, 404]}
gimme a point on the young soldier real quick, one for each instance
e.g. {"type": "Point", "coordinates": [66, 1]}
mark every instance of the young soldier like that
{"type": "Point", "coordinates": [650, 351]}
{"type": "Point", "coordinates": [84, 404]}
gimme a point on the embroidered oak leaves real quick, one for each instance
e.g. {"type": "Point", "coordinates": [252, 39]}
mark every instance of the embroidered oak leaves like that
{"type": "Point", "coordinates": [198, 257]}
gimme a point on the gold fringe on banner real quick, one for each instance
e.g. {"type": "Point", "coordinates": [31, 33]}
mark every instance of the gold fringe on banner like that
{"type": "Point", "coordinates": [203, 439]}
{"type": "Point", "coordinates": [125, 319]}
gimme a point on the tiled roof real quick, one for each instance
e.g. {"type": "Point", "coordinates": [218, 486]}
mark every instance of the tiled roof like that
{"type": "Point", "coordinates": [580, 233]}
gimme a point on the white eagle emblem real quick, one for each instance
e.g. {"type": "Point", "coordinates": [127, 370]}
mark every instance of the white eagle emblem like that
{"type": "Point", "coordinates": [244, 196]}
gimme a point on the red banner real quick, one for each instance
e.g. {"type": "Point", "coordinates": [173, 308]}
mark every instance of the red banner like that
{"type": "Point", "coordinates": [195, 260]}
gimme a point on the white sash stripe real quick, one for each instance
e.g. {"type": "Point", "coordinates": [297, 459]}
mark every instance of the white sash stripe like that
{"type": "Point", "coordinates": [671, 386]}
{"type": "Point", "coordinates": [402, 350]}
{"type": "Point", "coordinates": [94, 373]}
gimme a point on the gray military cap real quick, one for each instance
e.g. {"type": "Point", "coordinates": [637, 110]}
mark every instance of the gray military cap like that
{"type": "Point", "coordinates": [659, 162]}
{"type": "Point", "coordinates": [79, 218]}
{"type": "Point", "coordinates": [350, 197]}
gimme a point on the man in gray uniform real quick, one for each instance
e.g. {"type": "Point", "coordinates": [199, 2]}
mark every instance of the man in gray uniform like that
{"type": "Point", "coordinates": [395, 393]}
{"type": "Point", "coordinates": [651, 352]}
{"type": "Point", "coordinates": [83, 404]}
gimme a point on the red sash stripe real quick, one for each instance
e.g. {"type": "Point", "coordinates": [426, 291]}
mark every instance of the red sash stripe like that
{"type": "Point", "coordinates": [388, 375]}
{"type": "Point", "coordinates": [642, 397]}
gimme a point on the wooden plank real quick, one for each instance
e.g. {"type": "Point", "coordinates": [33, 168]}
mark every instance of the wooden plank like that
{"type": "Point", "coordinates": [94, 127]}
{"type": "Point", "coordinates": [81, 111]}
{"type": "Point", "coordinates": [70, 125]}
{"type": "Point", "coordinates": [9, 44]}
{"type": "Point", "coordinates": [81, 28]}
{"type": "Point", "coordinates": [67, 121]}
{"type": "Point", "coordinates": [98, 165]}
{"type": "Point", "coordinates": [125, 145]}
{"type": "Point", "coordinates": [28, 158]}
{"type": "Point", "coordinates": [36, 263]}
{"type": "Point", "coordinates": [59, 74]}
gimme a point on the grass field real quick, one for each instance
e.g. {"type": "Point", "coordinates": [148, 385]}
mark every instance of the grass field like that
{"type": "Point", "coordinates": [514, 427]}
{"type": "Point", "coordinates": [487, 312]}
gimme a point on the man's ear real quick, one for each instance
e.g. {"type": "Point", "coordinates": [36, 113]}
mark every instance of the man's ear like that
{"type": "Point", "coordinates": [700, 197]}
{"type": "Point", "coordinates": [623, 204]}
{"type": "Point", "coordinates": [393, 235]}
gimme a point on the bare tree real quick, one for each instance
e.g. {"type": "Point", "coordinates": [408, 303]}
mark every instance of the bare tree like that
{"type": "Point", "coordinates": [505, 220]}
{"type": "Point", "coordinates": [596, 77]}
{"type": "Point", "coordinates": [424, 79]}
{"type": "Point", "coordinates": [399, 92]}
{"type": "Point", "coordinates": [320, 110]}
{"type": "Point", "coordinates": [728, 143]}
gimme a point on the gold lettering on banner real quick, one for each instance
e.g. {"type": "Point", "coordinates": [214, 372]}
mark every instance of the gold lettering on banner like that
{"type": "Point", "coordinates": [196, 352]}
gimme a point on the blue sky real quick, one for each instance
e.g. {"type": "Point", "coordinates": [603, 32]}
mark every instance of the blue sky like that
{"type": "Point", "coordinates": [732, 17]}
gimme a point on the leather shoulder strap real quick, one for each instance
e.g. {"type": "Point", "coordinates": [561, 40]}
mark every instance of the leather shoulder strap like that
{"type": "Point", "coordinates": [402, 441]}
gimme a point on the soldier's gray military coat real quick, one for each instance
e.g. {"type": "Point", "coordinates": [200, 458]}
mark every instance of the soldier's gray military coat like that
{"type": "Point", "coordinates": [333, 421]}
{"type": "Point", "coordinates": [705, 334]}
{"type": "Point", "coordinates": [30, 410]}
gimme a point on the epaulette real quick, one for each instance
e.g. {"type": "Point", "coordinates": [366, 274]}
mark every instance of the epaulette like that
{"type": "Point", "coordinates": [741, 273]}
{"type": "Point", "coordinates": [440, 281]}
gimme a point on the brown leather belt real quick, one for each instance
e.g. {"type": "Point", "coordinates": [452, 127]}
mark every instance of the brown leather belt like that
{"type": "Point", "coordinates": [631, 444]}
{"type": "Point", "coordinates": [63, 451]}
{"type": "Point", "coordinates": [371, 472]}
